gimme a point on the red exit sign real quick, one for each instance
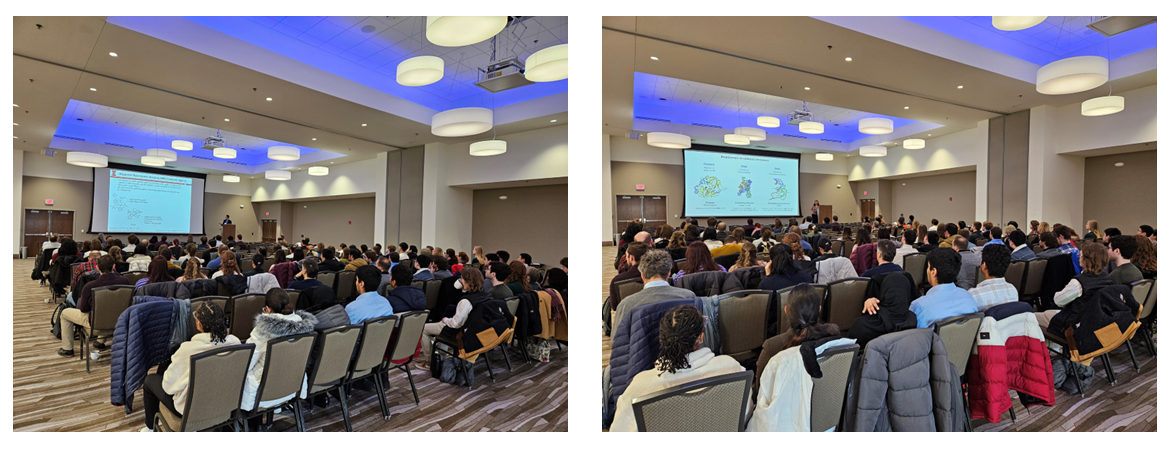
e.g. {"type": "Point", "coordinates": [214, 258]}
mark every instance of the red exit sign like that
{"type": "Point", "coordinates": [640, 187]}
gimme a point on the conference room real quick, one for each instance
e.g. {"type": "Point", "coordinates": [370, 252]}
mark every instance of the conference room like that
{"type": "Point", "coordinates": [879, 223]}
{"type": "Point", "coordinates": [290, 223]}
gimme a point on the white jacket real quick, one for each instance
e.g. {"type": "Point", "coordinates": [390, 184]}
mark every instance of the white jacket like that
{"type": "Point", "coordinates": [785, 399]}
{"type": "Point", "coordinates": [178, 375]}
{"type": "Point", "coordinates": [833, 269]}
{"type": "Point", "coordinates": [139, 263]}
{"type": "Point", "coordinates": [704, 364]}
{"type": "Point", "coordinates": [268, 327]}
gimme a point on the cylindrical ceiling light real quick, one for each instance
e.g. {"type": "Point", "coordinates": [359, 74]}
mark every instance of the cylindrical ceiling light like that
{"type": "Point", "coordinates": [461, 122]}
{"type": "Point", "coordinates": [1103, 106]}
{"type": "Point", "coordinates": [179, 144]}
{"type": "Point", "coordinates": [318, 171]}
{"type": "Point", "coordinates": [668, 140]}
{"type": "Point", "coordinates": [84, 159]}
{"type": "Point", "coordinates": [812, 127]}
{"type": "Point", "coordinates": [824, 156]}
{"type": "Point", "coordinates": [156, 161]}
{"type": "Point", "coordinates": [457, 31]}
{"type": "Point", "coordinates": [1072, 75]}
{"type": "Point", "coordinates": [873, 151]}
{"type": "Point", "coordinates": [736, 139]}
{"type": "Point", "coordinates": [913, 144]}
{"type": "Point", "coordinates": [420, 71]}
{"type": "Point", "coordinates": [284, 153]}
{"type": "Point", "coordinates": [768, 121]}
{"type": "Point", "coordinates": [224, 153]}
{"type": "Point", "coordinates": [753, 134]}
{"type": "Point", "coordinates": [488, 148]}
{"type": "Point", "coordinates": [1016, 23]}
{"type": "Point", "coordinates": [231, 179]}
{"type": "Point", "coordinates": [278, 175]}
{"type": "Point", "coordinates": [166, 155]}
{"type": "Point", "coordinates": [876, 125]}
{"type": "Point", "coordinates": [548, 64]}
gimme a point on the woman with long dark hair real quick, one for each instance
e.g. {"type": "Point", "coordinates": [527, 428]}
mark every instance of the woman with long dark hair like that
{"type": "Point", "coordinates": [155, 273]}
{"type": "Point", "coordinates": [803, 314]}
{"type": "Point", "coordinates": [170, 389]}
{"type": "Point", "coordinates": [632, 230]}
{"type": "Point", "coordinates": [698, 260]}
{"type": "Point", "coordinates": [781, 271]}
{"type": "Point", "coordinates": [692, 233]}
{"type": "Point", "coordinates": [140, 261]}
{"type": "Point", "coordinates": [682, 358]}
{"type": "Point", "coordinates": [864, 256]}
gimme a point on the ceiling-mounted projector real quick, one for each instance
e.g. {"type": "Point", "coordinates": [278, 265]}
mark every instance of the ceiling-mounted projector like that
{"type": "Point", "coordinates": [212, 142]}
{"type": "Point", "coordinates": [502, 75]}
{"type": "Point", "coordinates": [799, 116]}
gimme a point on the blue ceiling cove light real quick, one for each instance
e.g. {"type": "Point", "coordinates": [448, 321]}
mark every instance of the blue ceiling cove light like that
{"type": "Point", "coordinates": [99, 124]}
{"type": "Point", "coordinates": [1057, 37]}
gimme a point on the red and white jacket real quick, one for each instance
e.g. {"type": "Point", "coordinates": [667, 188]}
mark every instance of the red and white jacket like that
{"type": "Point", "coordinates": [1009, 355]}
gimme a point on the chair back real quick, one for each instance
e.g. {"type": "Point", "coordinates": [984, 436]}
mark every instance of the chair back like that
{"type": "Point", "coordinates": [332, 356]}
{"type": "Point", "coordinates": [134, 276]}
{"type": "Point", "coordinates": [345, 287]}
{"type": "Point", "coordinates": [328, 279]}
{"type": "Point", "coordinates": [376, 334]}
{"type": "Point", "coordinates": [268, 263]}
{"type": "Point", "coordinates": [626, 288]}
{"type": "Point", "coordinates": [782, 300]}
{"type": "Point", "coordinates": [293, 295]}
{"type": "Point", "coordinates": [216, 386]}
{"type": "Point", "coordinates": [727, 260]}
{"type": "Point", "coordinates": [959, 334]}
{"type": "Point", "coordinates": [220, 300]}
{"type": "Point", "coordinates": [847, 248]}
{"type": "Point", "coordinates": [431, 289]}
{"type": "Point", "coordinates": [836, 249]}
{"type": "Point", "coordinates": [419, 284]}
{"type": "Point", "coordinates": [1034, 276]}
{"type": "Point", "coordinates": [1015, 275]}
{"type": "Point", "coordinates": [979, 276]}
{"type": "Point", "coordinates": [715, 404]}
{"type": "Point", "coordinates": [828, 394]}
{"type": "Point", "coordinates": [981, 242]}
{"type": "Point", "coordinates": [1145, 292]}
{"type": "Point", "coordinates": [915, 265]}
{"type": "Point", "coordinates": [284, 367]}
{"type": "Point", "coordinates": [742, 324]}
{"type": "Point", "coordinates": [844, 301]}
{"type": "Point", "coordinates": [246, 264]}
{"type": "Point", "coordinates": [245, 307]}
{"type": "Point", "coordinates": [108, 303]}
{"type": "Point", "coordinates": [410, 329]}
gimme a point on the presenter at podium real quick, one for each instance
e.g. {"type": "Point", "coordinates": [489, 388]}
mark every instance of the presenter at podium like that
{"type": "Point", "coordinates": [227, 220]}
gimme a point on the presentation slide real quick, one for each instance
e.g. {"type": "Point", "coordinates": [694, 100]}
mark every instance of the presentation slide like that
{"type": "Point", "coordinates": [724, 184]}
{"type": "Point", "coordinates": [133, 201]}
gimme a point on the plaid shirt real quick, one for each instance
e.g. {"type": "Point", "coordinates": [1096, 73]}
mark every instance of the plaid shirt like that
{"type": "Point", "coordinates": [993, 291]}
{"type": "Point", "coordinates": [83, 268]}
{"type": "Point", "coordinates": [1071, 250]}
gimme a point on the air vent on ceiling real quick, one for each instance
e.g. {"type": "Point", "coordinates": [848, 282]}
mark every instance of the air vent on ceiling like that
{"type": "Point", "coordinates": [118, 145]}
{"type": "Point", "coordinates": [706, 125]}
{"type": "Point", "coordinates": [236, 163]}
{"type": "Point", "coordinates": [651, 118]}
{"type": "Point", "coordinates": [68, 137]}
{"type": "Point", "coordinates": [202, 157]}
{"type": "Point", "coordinates": [831, 140]}
{"type": "Point", "coordinates": [796, 136]}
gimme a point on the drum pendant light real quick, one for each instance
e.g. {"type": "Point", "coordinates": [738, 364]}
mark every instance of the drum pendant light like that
{"type": "Point", "coordinates": [420, 71]}
{"type": "Point", "coordinates": [1103, 106]}
{"type": "Point", "coordinates": [84, 159]}
{"type": "Point", "coordinates": [156, 161]}
{"type": "Point", "coordinates": [488, 148]}
{"type": "Point", "coordinates": [461, 122]}
{"type": "Point", "coordinates": [457, 31]}
{"type": "Point", "coordinates": [913, 144]}
{"type": "Point", "coordinates": [166, 155]}
{"type": "Point", "coordinates": [768, 121]}
{"type": "Point", "coordinates": [873, 151]}
{"type": "Point", "coordinates": [224, 153]}
{"type": "Point", "coordinates": [1072, 75]}
{"type": "Point", "coordinates": [549, 64]}
{"type": "Point", "coordinates": [278, 175]}
{"type": "Point", "coordinates": [824, 156]}
{"type": "Point", "coordinates": [231, 179]}
{"type": "Point", "coordinates": [284, 153]}
{"type": "Point", "coordinates": [668, 140]}
{"type": "Point", "coordinates": [812, 127]}
{"type": "Point", "coordinates": [1016, 23]}
{"type": "Point", "coordinates": [318, 171]}
{"type": "Point", "coordinates": [179, 144]}
{"type": "Point", "coordinates": [736, 139]}
{"type": "Point", "coordinates": [876, 125]}
{"type": "Point", "coordinates": [753, 134]}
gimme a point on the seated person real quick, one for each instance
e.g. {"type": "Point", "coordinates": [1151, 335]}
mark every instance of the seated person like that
{"type": "Point", "coordinates": [1121, 249]}
{"type": "Point", "coordinates": [1018, 242]}
{"type": "Point", "coordinates": [422, 266]}
{"type": "Point", "coordinates": [277, 319]}
{"type": "Point", "coordinates": [634, 253]}
{"type": "Point", "coordinates": [383, 264]}
{"type": "Point", "coordinates": [1064, 236]}
{"type": "Point", "coordinates": [257, 266]}
{"type": "Point", "coordinates": [831, 266]}
{"type": "Point", "coordinates": [996, 237]}
{"type": "Point", "coordinates": [710, 240]}
{"type": "Point", "coordinates": [747, 258]}
{"type": "Point", "coordinates": [1094, 259]}
{"type": "Point", "coordinates": [682, 359]}
{"type": "Point", "coordinates": [944, 299]}
{"type": "Point", "coordinates": [329, 262]}
{"type": "Point", "coordinates": [731, 245]}
{"type": "Point", "coordinates": [80, 315]}
{"type": "Point", "coordinates": [698, 260]}
{"type": "Point", "coordinates": [994, 265]}
{"type": "Point", "coordinates": [191, 271]}
{"type": "Point", "coordinates": [442, 267]}
{"type": "Point", "coordinates": [885, 259]}
{"type": "Point", "coordinates": [907, 247]}
{"type": "Point", "coordinates": [356, 259]}
{"type": "Point", "coordinates": [654, 269]}
{"type": "Point", "coordinates": [495, 273]}
{"type": "Point", "coordinates": [471, 284]}
{"type": "Point", "coordinates": [518, 281]}
{"type": "Point", "coordinates": [931, 242]}
{"type": "Point", "coordinates": [155, 273]}
{"type": "Point", "coordinates": [401, 294]}
{"type": "Point", "coordinates": [368, 303]}
{"type": "Point", "coordinates": [1049, 245]}
{"type": "Point", "coordinates": [803, 312]}
{"type": "Point", "coordinates": [169, 389]}
{"type": "Point", "coordinates": [141, 259]}
{"type": "Point", "coordinates": [781, 271]}
{"type": "Point", "coordinates": [214, 263]}
{"type": "Point", "coordinates": [969, 268]}
{"type": "Point", "coordinates": [308, 276]}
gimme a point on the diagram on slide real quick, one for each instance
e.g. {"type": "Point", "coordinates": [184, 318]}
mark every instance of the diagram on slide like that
{"type": "Point", "coordinates": [118, 204]}
{"type": "Point", "coordinates": [779, 192]}
{"type": "Point", "coordinates": [709, 186]}
{"type": "Point", "coordinates": [745, 187]}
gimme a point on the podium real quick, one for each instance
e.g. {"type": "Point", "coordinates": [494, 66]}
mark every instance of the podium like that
{"type": "Point", "coordinates": [228, 230]}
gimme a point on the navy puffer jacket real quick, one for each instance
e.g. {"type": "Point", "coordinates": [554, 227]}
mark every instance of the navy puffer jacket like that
{"type": "Point", "coordinates": [141, 340]}
{"type": "Point", "coordinates": [635, 348]}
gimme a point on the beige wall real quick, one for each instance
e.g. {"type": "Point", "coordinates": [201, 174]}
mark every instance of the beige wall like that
{"type": "Point", "coordinates": [948, 198]}
{"type": "Point", "coordinates": [532, 220]}
{"type": "Point", "coordinates": [1123, 197]}
{"type": "Point", "coordinates": [215, 206]}
{"type": "Point", "coordinates": [332, 221]}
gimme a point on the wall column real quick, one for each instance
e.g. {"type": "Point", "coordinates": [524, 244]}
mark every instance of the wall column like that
{"type": "Point", "coordinates": [446, 211]}
{"type": "Point", "coordinates": [606, 192]}
{"type": "Point", "coordinates": [17, 195]}
{"type": "Point", "coordinates": [1056, 182]}
{"type": "Point", "coordinates": [380, 166]}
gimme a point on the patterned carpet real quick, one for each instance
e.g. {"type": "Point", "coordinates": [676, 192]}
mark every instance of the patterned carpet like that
{"type": "Point", "coordinates": [1130, 405]}
{"type": "Point", "coordinates": [51, 393]}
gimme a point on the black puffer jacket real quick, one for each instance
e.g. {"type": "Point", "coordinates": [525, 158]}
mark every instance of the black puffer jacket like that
{"type": "Point", "coordinates": [488, 319]}
{"type": "Point", "coordinates": [236, 284]}
{"type": "Point", "coordinates": [706, 284]}
{"type": "Point", "coordinates": [168, 289]}
{"type": "Point", "coordinates": [895, 290]}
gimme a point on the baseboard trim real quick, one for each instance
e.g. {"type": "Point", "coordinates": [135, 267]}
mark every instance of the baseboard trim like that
{"type": "Point", "coordinates": [607, 243]}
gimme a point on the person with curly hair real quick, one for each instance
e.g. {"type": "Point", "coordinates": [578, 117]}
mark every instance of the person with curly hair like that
{"type": "Point", "coordinates": [682, 359]}
{"type": "Point", "coordinates": [1146, 257]}
{"type": "Point", "coordinates": [169, 389]}
{"type": "Point", "coordinates": [747, 258]}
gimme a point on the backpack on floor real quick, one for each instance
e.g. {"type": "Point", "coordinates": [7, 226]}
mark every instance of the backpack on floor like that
{"type": "Point", "coordinates": [538, 349]}
{"type": "Point", "coordinates": [55, 319]}
{"type": "Point", "coordinates": [451, 372]}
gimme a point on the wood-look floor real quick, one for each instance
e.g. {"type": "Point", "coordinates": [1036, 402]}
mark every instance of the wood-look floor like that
{"type": "Point", "coordinates": [51, 393]}
{"type": "Point", "coordinates": [1130, 405]}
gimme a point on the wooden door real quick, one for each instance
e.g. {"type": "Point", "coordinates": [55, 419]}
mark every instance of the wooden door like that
{"type": "Point", "coordinates": [826, 212]}
{"type": "Point", "coordinates": [36, 229]}
{"type": "Point", "coordinates": [268, 230]}
{"type": "Point", "coordinates": [629, 208]}
{"type": "Point", "coordinates": [868, 207]}
{"type": "Point", "coordinates": [653, 211]}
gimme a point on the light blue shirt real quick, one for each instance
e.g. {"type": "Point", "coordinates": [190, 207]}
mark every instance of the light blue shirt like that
{"type": "Point", "coordinates": [368, 306]}
{"type": "Point", "coordinates": [941, 302]}
{"type": "Point", "coordinates": [994, 241]}
{"type": "Point", "coordinates": [655, 283]}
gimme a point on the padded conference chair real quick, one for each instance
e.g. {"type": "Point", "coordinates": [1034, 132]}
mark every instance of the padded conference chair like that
{"type": "Point", "coordinates": [345, 287]}
{"type": "Point", "coordinates": [431, 290]}
{"type": "Point", "coordinates": [328, 279]}
{"type": "Point", "coordinates": [331, 360]}
{"type": "Point", "coordinates": [1015, 275]}
{"type": "Point", "coordinates": [108, 303]}
{"type": "Point", "coordinates": [409, 333]}
{"type": "Point", "coordinates": [844, 302]}
{"type": "Point", "coordinates": [244, 307]}
{"type": "Point", "coordinates": [915, 265]}
{"type": "Point", "coordinates": [1033, 280]}
{"type": "Point", "coordinates": [1145, 292]}
{"type": "Point", "coordinates": [742, 324]}
{"type": "Point", "coordinates": [828, 394]}
{"type": "Point", "coordinates": [220, 300]}
{"type": "Point", "coordinates": [293, 295]}
{"type": "Point", "coordinates": [959, 334]}
{"type": "Point", "coordinates": [284, 370]}
{"type": "Point", "coordinates": [716, 404]}
{"type": "Point", "coordinates": [214, 390]}
{"type": "Point", "coordinates": [375, 338]}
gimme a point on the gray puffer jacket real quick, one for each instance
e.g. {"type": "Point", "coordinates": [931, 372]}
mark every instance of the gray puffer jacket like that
{"type": "Point", "coordinates": [915, 388]}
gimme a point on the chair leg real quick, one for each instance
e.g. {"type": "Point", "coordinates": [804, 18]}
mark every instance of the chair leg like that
{"type": "Point", "coordinates": [506, 360]}
{"type": "Point", "coordinates": [1108, 368]}
{"type": "Point", "coordinates": [1132, 356]}
{"type": "Point", "coordinates": [85, 354]}
{"type": "Point", "coordinates": [488, 361]}
{"type": "Point", "coordinates": [1012, 411]}
{"type": "Point", "coordinates": [558, 344]}
{"type": "Point", "coordinates": [298, 414]}
{"type": "Point", "coordinates": [344, 407]}
{"type": "Point", "coordinates": [1149, 342]}
{"type": "Point", "coordinates": [410, 377]}
{"type": "Point", "coordinates": [967, 410]}
{"type": "Point", "coordinates": [381, 395]}
{"type": "Point", "coordinates": [241, 418]}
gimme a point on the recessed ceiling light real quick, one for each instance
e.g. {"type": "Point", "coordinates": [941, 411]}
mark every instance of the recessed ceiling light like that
{"type": "Point", "coordinates": [330, 162]}
{"type": "Point", "coordinates": [14, 105]}
{"type": "Point", "coordinates": [268, 99]}
{"type": "Point", "coordinates": [14, 137]}
{"type": "Point", "coordinates": [227, 120]}
{"type": "Point", "coordinates": [554, 120]}
{"type": "Point", "coordinates": [113, 54]}
{"type": "Point", "coordinates": [807, 88]}
{"type": "Point", "coordinates": [654, 58]}
{"type": "Point", "coordinates": [848, 58]}
{"type": "Point", "coordinates": [15, 124]}
{"type": "Point", "coordinates": [928, 135]}
{"type": "Point", "coordinates": [960, 87]}
{"type": "Point", "coordinates": [314, 139]}
{"type": "Point", "coordinates": [363, 124]}
{"type": "Point", "coordinates": [906, 107]}
{"type": "Point", "coordinates": [1119, 164]}
{"type": "Point", "coordinates": [93, 89]}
